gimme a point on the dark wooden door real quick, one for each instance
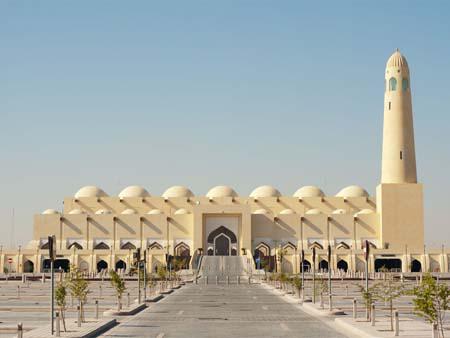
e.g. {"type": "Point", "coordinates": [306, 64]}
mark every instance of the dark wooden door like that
{"type": "Point", "coordinates": [222, 246]}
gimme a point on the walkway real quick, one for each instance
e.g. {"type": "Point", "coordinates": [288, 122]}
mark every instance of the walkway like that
{"type": "Point", "coordinates": [222, 311]}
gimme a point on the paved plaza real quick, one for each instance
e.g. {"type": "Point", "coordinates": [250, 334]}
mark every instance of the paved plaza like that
{"type": "Point", "coordinates": [223, 311]}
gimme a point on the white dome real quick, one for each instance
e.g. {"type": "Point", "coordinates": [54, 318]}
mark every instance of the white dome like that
{"type": "Point", "coordinates": [309, 191]}
{"type": "Point", "coordinates": [181, 212]}
{"type": "Point", "coordinates": [265, 191]}
{"type": "Point", "coordinates": [287, 212]}
{"type": "Point", "coordinates": [50, 212]}
{"type": "Point", "coordinates": [103, 212]}
{"type": "Point", "coordinates": [397, 60]}
{"type": "Point", "coordinates": [177, 191]}
{"type": "Point", "coordinates": [339, 212]}
{"type": "Point", "coordinates": [90, 191]}
{"type": "Point", "coordinates": [128, 212]}
{"type": "Point", "coordinates": [364, 212]}
{"type": "Point", "coordinates": [221, 191]}
{"type": "Point", "coordinates": [313, 212]}
{"type": "Point", "coordinates": [76, 212]}
{"type": "Point", "coordinates": [352, 191]}
{"type": "Point", "coordinates": [260, 212]}
{"type": "Point", "coordinates": [155, 212]}
{"type": "Point", "coordinates": [134, 191]}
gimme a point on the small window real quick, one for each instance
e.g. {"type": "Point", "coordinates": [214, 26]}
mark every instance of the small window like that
{"type": "Point", "coordinates": [392, 84]}
{"type": "Point", "coordinates": [401, 155]}
{"type": "Point", "coordinates": [389, 105]}
{"type": "Point", "coordinates": [405, 84]}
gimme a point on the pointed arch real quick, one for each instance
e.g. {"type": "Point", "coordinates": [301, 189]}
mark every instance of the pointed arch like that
{"type": "Point", "coordinates": [392, 84]}
{"type": "Point", "coordinates": [316, 245]}
{"type": "Point", "coordinates": [182, 250]}
{"type": "Point", "coordinates": [342, 245]}
{"type": "Point", "coordinates": [128, 246]}
{"type": "Point", "coordinates": [44, 245]}
{"type": "Point", "coordinates": [75, 245]}
{"type": "Point", "coordinates": [342, 265]}
{"type": "Point", "coordinates": [289, 248]}
{"type": "Point", "coordinates": [102, 265]}
{"type": "Point", "coordinates": [222, 230]}
{"type": "Point", "coordinates": [101, 246]}
{"type": "Point", "coordinates": [155, 246]}
{"type": "Point", "coordinates": [416, 266]}
{"type": "Point", "coordinates": [262, 250]}
{"type": "Point", "coordinates": [323, 265]}
{"type": "Point", "coordinates": [120, 265]}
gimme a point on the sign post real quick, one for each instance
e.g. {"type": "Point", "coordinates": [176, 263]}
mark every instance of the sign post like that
{"type": "Point", "coordinates": [145, 275]}
{"type": "Point", "coordinates": [52, 255]}
{"type": "Point", "coordinates": [303, 273]}
{"type": "Point", "coordinates": [138, 259]}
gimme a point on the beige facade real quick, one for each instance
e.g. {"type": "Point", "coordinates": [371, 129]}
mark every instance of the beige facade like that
{"type": "Point", "coordinates": [96, 231]}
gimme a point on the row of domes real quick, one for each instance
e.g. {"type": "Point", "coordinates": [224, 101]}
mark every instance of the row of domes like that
{"type": "Point", "coordinates": [183, 211]}
{"type": "Point", "coordinates": [221, 191]}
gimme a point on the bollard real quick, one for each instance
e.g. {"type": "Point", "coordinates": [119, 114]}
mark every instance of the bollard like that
{"type": "Point", "coordinates": [79, 316]}
{"type": "Point", "coordinates": [58, 324]}
{"type": "Point", "coordinates": [239, 280]}
{"type": "Point", "coordinates": [24, 278]}
{"type": "Point", "coordinates": [372, 314]}
{"type": "Point", "coordinates": [434, 332]}
{"type": "Point", "coordinates": [321, 300]}
{"type": "Point", "coordinates": [330, 302]}
{"type": "Point", "coordinates": [43, 278]}
{"type": "Point", "coordinates": [128, 299]}
{"type": "Point", "coordinates": [206, 280]}
{"type": "Point", "coordinates": [217, 280]}
{"type": "Point", "coordinates": [18, 291]}
{"type": "Point", "coordinates": [228, 280]}
{"type": "Point", "coordinates": [249, 280]}
{"type": "Point", "coordinates": [354, 308]}
{"type": "Point", "coordinates": [19, 330]}
{"type": "Point", "coordinates": [100, 287]}
{"type": "Point", "coordinates": [96, 309]}
{"type": "Point", "coordinates": [196, 279]}
{"type": "Point", "coordinates": [396, 324]}
{"type": "Point", "coordinates": [346, 290]}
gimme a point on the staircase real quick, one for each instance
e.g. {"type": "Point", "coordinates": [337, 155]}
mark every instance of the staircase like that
{"type": "Point", "coordinates": [223, 266]}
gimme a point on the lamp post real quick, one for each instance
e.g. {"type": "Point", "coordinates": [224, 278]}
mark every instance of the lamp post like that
{"type": "Point", "coordinates": [366, 256]}
{"type": "Point", "coordinates": [52, 255]}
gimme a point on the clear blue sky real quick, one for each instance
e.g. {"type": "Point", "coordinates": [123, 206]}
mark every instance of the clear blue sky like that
{"type": "Point", "coordinates": [201, 93]}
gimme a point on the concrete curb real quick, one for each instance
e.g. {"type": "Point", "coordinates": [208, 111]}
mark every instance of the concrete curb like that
{"type": "Point", "coordinates": [131, 311]}
{"type": "Point", "coordinates": [154, 299]}
{"type": "Point", "coordinates": [109, 324]}
{"type": "Point", "coordinates": [353, 329]}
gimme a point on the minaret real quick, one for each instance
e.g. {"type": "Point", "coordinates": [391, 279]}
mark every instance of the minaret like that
{"type": "Point", "coordinates": [399, 158]}
{"type": "Point", "coordinates": [399, 196]}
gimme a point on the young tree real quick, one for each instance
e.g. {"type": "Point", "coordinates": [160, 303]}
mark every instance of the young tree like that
{"type": "Point", "coordinates": [387, 291]}
{"type": "Point", "coordinates": [368, 297]}
{"type": "Point", "coordinates": [78, 286]}
{"type": "Point", "coordinates": [60, 297]}
{"type": "Point", "coordinates": [432, 300]}
{"type": "Point", "coordinates": [119, 286]}
{"type": "Point", "coordinates": [297, 284]}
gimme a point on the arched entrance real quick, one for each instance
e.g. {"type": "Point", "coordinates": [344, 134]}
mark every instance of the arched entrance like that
{"type": "Point", "coordinates": [28, 266]}
{"type": "Point", "coordinates": [416, 266]}
{"type": "Point", "coordinates": [390, 264]}
{"type": "Point", "coordinates": [222, 245]}
{"type": "Point", "coordinates": [121, 265]}
{"type": "Point", "coordinates": [323, 265]}
{"type": "Point", "coordinates": [306, 266]}
{"type": "Point", "coordinates": [221, 240]}
{"type": "Point", "coordinates": [342, 265]}
{"type": "Point", "coordinates": [102, 265]}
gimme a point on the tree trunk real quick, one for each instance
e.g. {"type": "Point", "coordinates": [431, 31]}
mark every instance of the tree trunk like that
{"type": "Point", "coordinates": [392, 317]}
{"type": "Point", "coordinates": [61, 310]}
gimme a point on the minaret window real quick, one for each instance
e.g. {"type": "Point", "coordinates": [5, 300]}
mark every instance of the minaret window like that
{"type": "Point", "coordinates": [401, 155]}
{"type": "Point", "coordinates": [392, 84]}
{"type": "Point", "coordinates": [389, 105]}
{"type": "Point", "coordinates": [405, 84]}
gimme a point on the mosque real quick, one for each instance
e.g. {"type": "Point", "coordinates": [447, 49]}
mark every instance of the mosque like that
{"type": "Point", "coordinates": [96, 231]}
